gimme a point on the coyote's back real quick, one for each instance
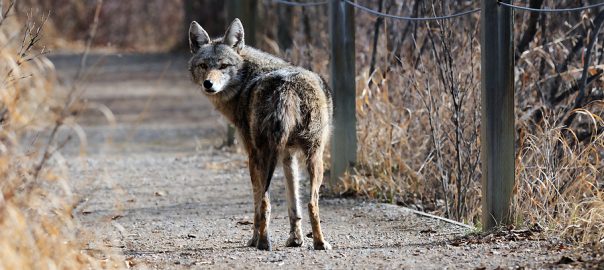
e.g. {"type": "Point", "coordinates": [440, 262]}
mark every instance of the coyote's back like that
{"type": "Point", "coordinates": [281, 112]}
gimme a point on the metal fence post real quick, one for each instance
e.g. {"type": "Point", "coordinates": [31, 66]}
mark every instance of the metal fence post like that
{"type": "Point", "coordinates": [344, 140]}
{"type": "Point", "coordinates": [497, 130]}
{"type": "Point", "coordinates": [246, 11]}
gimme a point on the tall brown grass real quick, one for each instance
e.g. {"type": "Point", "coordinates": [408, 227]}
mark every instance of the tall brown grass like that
{"type": "Point", "coordinates": [559, 181]}
{"type": "Point", "coordinates": [37, 229]}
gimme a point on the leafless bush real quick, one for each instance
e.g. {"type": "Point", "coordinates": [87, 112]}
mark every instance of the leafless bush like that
{"type": "Point", "coordinates": [37, 229]}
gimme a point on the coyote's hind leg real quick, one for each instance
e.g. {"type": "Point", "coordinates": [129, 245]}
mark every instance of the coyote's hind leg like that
{"type": "Point", "coordinates": [290, 169]}
{"type": "Point", "coordinates": [262, 166]}
{"type": "Point", "coordinates": [257, 195]}
{"type": "Point", "coordinates": [315, 170]}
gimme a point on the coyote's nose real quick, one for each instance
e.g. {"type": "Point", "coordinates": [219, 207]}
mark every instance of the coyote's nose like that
{"type": "Point", "coordinates": [207, 84]}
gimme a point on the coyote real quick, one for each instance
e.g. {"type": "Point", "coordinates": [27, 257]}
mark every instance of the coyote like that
{"type": "Point", "coordinates": [281, 112]}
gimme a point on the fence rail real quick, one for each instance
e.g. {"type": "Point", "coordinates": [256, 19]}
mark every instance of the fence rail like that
{"type": "Point", "coordinates": [550, 10]}
{"type": "Point", "coordinates": [497, 92]}
{"type": "Point", "coordinates": [444, 17]}
{"type": "Point", "coordinates": [385, 15]}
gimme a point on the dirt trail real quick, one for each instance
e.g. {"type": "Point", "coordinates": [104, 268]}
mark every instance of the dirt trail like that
{"type": "Point", "coordinates": [155, 186]}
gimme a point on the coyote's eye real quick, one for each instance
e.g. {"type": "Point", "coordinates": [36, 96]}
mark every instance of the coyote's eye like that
{"type": "Point", "coordinates": [223, 66]}
{"type": "Point", "coordinates": [203, 66]}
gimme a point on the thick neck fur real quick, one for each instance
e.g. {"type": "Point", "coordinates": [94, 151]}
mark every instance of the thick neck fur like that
{"type": "Point", "coordinates": [255, 63]}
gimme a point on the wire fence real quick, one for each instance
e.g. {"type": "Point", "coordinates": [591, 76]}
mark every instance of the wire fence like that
{"type": "Point", "coordinates": [550, 10]}
{"type": "Point", "coordinates": [385, 15]}
{"type": "Point", "coordinates": [443, 17]}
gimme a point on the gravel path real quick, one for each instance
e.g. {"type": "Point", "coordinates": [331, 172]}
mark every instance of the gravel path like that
{"type": "Point", "coordinates": [156, 187]}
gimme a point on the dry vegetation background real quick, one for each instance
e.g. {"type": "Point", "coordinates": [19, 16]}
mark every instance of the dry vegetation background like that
{"type": "Point", "coordinates": [418, 109]}
{"type": "Point", "coordinates": [127, 26]}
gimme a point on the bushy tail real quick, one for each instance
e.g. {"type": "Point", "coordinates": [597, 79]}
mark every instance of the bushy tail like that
{"type": "Point", "coordinates": [284, 117]}
{"type": "Point", "coordinates": [277, 126]}
{"type": "Point", "coordinates": [271, 163]}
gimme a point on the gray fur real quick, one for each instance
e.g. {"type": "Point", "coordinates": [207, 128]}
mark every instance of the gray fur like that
{"type": "Point", "coordinates": [280, 111]}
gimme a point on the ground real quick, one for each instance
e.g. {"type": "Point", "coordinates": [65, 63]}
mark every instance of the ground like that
{"type": "Point", "coordinates": [156, 186]}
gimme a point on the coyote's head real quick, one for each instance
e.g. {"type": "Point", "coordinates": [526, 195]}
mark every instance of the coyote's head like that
{"type": "Point", "coordinates": [215, 62]}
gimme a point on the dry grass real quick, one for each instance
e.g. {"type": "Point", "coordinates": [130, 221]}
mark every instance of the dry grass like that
{"type": "Point", "coordinates": [559, 182]}
{"type": "Point", "coordinates": [37, 229]}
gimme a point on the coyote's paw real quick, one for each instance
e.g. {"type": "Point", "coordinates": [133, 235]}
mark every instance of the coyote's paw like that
{"type": "Point", "coordinates": [264, 244]}
{"type": "Point", "coordinates": [294, 241]}
{"type": "Point", "coordinates": [322, 246]}
{"type": "Point", "coordinates": [253, 242]}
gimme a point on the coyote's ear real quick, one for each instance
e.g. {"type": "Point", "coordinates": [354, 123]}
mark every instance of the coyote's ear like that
{"type": "Point", "coordinates": [234, 36]}
{"type": "Point", "coordinates": [197, 37]}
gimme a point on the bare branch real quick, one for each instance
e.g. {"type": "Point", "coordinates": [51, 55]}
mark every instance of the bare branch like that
{"type": "Point", "coordinates": [47, 153]}
{"type": "Point", "coordinates": [531, 29]}
{"type": "Point", "coordinates": [376, 35]}
{"type": "Point", "coordinates": [595, 31]}
{"type": "Point", "coordinates": [4, 15]}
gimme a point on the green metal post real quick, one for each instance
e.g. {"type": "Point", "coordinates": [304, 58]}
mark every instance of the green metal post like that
{"type": "Point", "coordinates": [497, 130]}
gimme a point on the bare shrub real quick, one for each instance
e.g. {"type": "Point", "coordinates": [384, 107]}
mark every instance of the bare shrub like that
{"type": "Point", "coordinates": [37, 229]}
{"type": "Point", "coordinates": [419, 121]}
